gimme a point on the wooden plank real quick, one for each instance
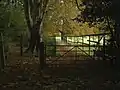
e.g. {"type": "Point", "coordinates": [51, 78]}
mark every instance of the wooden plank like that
{"type": "Point", "coordinates": [73, 45]}
{"type": "Point", "coordinates": [88, 35]}
{"type": "Point", "coordinates": [97, 34]}
{"type": "Point", "coordinates": [92, 41]}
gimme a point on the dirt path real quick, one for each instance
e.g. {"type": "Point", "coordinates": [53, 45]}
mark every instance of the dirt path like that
{"type": "Point", "coordinates": [21, 73]}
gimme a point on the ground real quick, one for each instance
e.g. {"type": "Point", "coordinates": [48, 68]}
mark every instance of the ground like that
{"type": "Point", "coordinates": [21, 73]}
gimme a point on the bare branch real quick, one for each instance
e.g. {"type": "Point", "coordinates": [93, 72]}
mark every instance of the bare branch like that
{"type": "Point", "coordinates": [43, 12]}
{"type": "Point", "coordinates": [77, 5]}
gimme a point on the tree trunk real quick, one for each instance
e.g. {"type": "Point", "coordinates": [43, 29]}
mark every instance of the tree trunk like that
{"type": "Point", "coordinates": [34, 40]}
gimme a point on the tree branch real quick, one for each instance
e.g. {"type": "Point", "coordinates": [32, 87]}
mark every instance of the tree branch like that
{"type": "Point", "coordinates": [41, 17]}
{"type": "Point", "coordinates": [77, 5]}
{"type": "Point", "coordinates": [27, 14]}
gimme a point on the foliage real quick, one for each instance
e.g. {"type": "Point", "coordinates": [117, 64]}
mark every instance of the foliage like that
{"type": "Point", "coordinates": [99, 11]}
{"type": "Point", "coordinates": [104, 13]}
{"type": "Point", "coordinates": [12, 19]}
{"type": "Point", "coordinates": [64, 12]}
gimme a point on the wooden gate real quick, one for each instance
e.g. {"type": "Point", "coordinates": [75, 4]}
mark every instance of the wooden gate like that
{"type": "Point", "coordinates": [73, 49]}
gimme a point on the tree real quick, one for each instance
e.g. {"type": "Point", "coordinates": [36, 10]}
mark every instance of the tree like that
{"type": "Point", "coordinates": [34, 12]}
{"type": "Point", "coordinates": [103, 11]}
{"type": "Point", "coordinates": [64, 12]}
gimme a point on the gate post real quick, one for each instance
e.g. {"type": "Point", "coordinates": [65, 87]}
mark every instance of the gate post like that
{"type": "Point", "coordinates": [104, 48]}
{"type": "Point", "coordinates": [2, 54]}
{"type": "Point", "coordinates": [21, 44]}
{"type": "Point", "coordinates": [89, 46]}
{"type": "Point", "coordinates": [42, 56]}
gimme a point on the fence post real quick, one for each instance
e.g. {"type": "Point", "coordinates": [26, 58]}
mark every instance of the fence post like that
{"type": "Point", "coordinates": [21, 44]}
{"type": "Point", "coordinates": [89, 45]}
{"type": "Point", "coordinates": [2, 54]}
{"type": "Point", "coordinates": [104, 48]}
{"type": "Point", "coordinates": [98, 42]}
{"type": "Point", "coordinates": [42, 56]}
{"type": "Point", "coordinates": [82, 42]}
{"type": "Point", "coordinates": [55, 45]}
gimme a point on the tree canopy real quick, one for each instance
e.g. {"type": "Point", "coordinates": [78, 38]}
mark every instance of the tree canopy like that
{"type": "Point", "coordinates": [105, 14]}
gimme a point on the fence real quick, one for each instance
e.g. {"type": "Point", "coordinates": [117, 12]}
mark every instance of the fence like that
{"type": "Point", "coordinates": [5, 46]}
{"type": "Point", "coordinates": [66, 51]}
